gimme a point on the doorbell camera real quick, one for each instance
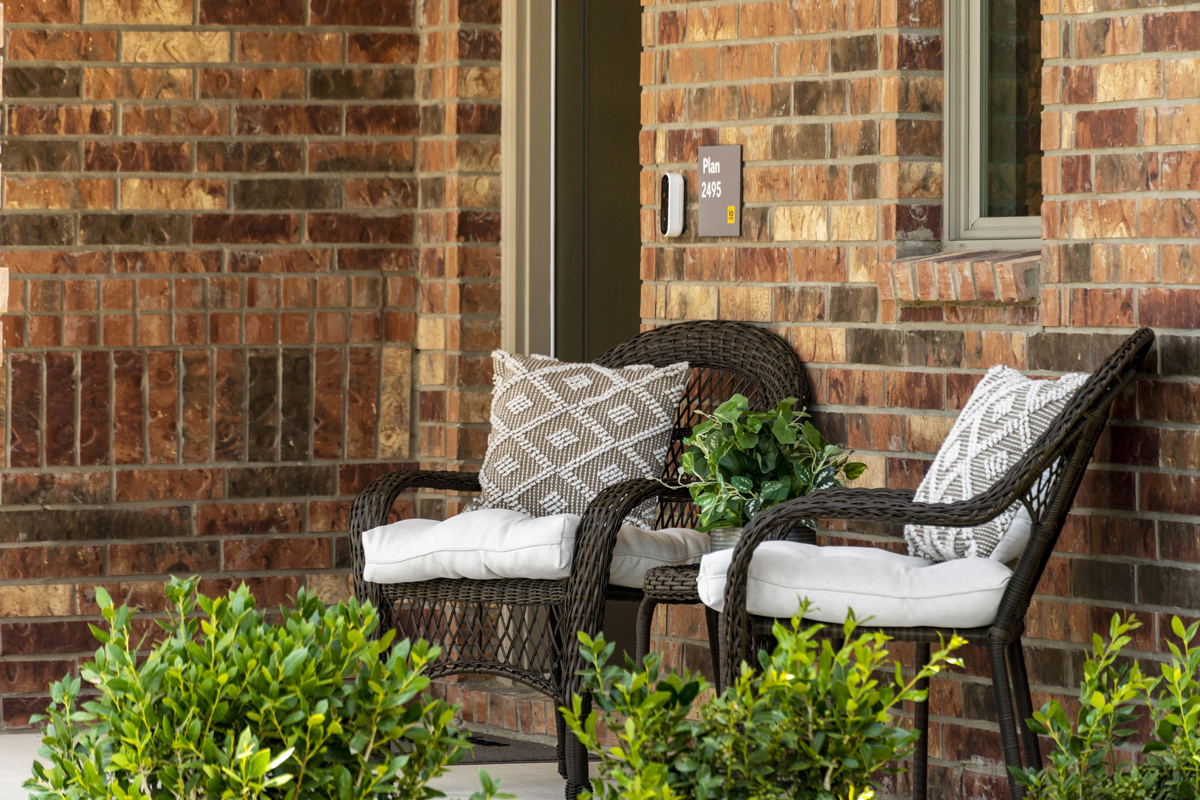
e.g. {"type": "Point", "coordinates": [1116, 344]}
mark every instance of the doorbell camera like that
{"type": "Point", "coordinates": [670, 212]}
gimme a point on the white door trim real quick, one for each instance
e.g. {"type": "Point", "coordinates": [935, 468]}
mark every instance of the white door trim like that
{"type": "Point", "coordinates": [526, 157]}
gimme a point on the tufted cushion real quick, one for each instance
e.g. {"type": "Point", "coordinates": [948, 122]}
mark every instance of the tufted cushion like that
{"type": "Point", "coordinates": [498, 543]}
{"type": "Point", "coordinates": [1002, 419]}
{"type": "Point", "coordinates": [563, 432]}
{"type": "Point", "coordinates": [893, 590]}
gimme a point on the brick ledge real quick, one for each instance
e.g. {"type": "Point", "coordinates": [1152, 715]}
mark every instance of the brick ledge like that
{"type": "Point", "coordinates": [988, 276]}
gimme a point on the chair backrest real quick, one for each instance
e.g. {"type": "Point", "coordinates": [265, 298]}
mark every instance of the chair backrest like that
{"type": "Point", "coordinates": [1047, 477]}
{"type": "Point", "coordinates": [727, 358]}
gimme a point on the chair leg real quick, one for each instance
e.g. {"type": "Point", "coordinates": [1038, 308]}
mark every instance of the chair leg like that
{"type": "Point", "coordinates": [560, 749]}
{"type": "Point", "coordinates": [920, 771]}
{"type": "Point", "coordinates": [1024, 702]}
{"type": "Point", "coordinates": [645, 620]}
{"type": "Point", "coordinates": [998, 655]}
{"type": "Point", "coordinates": [577, 766]}
{"type": "Point", "coordinates": [713, 621]}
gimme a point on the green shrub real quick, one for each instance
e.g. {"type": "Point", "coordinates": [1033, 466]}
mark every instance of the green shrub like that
{"type": "Point", "coordinates": [1087, 763]}
{"type": "Point", "coordinates": [231, 706]}
{"type": "Point", "coordinates": [812, 724]}
{"type": "Point", "coordinates": [747, 461]}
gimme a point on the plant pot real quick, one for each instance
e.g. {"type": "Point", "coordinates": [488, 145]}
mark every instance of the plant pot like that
{"type": "Point", "coordinates": [727, 538]}
{"type": "Point", "coordinates": [724, 538]}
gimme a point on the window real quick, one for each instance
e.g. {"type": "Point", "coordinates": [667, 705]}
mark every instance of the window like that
{"type": "Point", "coordinates": [993, 114]}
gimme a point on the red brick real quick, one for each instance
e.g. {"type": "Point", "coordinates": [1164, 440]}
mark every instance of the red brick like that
{"type": "Point", "coordinates": [1102, 308]}
{"type": "Point", "coordinates": [1172, 494]}
{"type": "Point", "coordinates": [289, 47]}
{"type": "Point", "coordinates": [914, 390]}
{"type": "Point", "coordinates": [261, 12]}
{"type": "Point", "coordinates": [189, 120]}
{"type": "Point", "coordinates": [43, 11]}
{"type": "Point", "coordinates": [1171, 32]}
{"type": "Point", "coordinates": [32, 676]}
{"type": "Point", "coordinates": [163, 558]}
{"type": "Point", "coordinates": [1116, 127]}
{"type": "Point", "coordinates": [245, 229]}
{"type": "Point", "coordinates": [60, 45]}
{"type": "Point", "coordinates": [296, 120]}
{"type": "Point", "coordinates": [57, 120]}
{"type": "Point", "coordinates": [1169, 308]}
{"type": "Point", "coordinates": [276, 554]}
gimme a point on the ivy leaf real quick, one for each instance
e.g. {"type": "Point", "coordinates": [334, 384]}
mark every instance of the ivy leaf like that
{"type": "Point", "coordinates": [813, 437]}
{"type": "Point", "coordinates": [854, 470]}
{"type": "Point", "coordinates": [783, 431]}
{"type": "Point", "coordinates": [774, 491]}
{"type": "Point", "coordinates": [753, 506]}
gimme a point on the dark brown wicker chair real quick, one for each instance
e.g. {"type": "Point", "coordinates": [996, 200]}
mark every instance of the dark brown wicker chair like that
{"type": "Point", "coordinates": [1055, 465]}
{"type": "Point", "coordinates": [525, 630]}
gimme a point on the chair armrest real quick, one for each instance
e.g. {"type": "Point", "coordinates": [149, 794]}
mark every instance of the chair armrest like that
{"type": "Point", "coordinates": [374, 504]}
{"type": "Point", "coordinates": [372, 508]}
{"type": "Point", "coordinates": [587, 586]}
{"type": "Point", "coordinates": [604, 516]}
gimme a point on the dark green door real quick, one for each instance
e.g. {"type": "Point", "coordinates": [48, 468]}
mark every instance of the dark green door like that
{"type": "Point", "coordinates": [597, 122]}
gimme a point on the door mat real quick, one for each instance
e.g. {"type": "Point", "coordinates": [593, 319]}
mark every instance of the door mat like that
{"type": "Point", "coordinates": [490, 749]}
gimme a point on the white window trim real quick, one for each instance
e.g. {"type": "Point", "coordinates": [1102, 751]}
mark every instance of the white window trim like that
{"type": "Point", "coordinates": [966, 64]}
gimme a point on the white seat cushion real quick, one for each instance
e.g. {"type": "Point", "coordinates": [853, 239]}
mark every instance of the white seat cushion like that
{"type": "Point", "coordinates": [499, 543]}
{"type": "Point", "coordinates": [893, 590]}
{"type": "Point", "coordinates": [638, 551]}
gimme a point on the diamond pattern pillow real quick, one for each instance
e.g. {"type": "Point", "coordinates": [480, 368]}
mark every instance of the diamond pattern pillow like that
{"type": "Point", "coordinates": [1004, 416]}
{"type": "Point", "coordinates": [563, 432]}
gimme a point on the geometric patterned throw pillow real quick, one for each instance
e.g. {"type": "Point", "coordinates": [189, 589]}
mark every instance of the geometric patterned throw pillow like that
{"type": "Point", "coordinates": [562, 432]}
{"type": "Point", "coordinates": [1002, 419]}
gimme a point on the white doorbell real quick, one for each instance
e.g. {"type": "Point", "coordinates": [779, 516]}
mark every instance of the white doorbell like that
{"type": "Point", "coordinates": [670, 212]}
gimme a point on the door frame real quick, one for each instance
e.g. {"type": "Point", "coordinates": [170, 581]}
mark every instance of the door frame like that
{"type": "Point", "coordinates": [527, 177]}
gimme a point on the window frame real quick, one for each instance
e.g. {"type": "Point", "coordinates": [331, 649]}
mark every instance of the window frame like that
{"type": "Point", "coordinates": [966, 227]}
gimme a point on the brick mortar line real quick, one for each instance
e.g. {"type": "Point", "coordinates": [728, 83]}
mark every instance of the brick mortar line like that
{"type": "Point", "coordinates": [120, 27]}
{"type": "Point", "coordinates": [767, 122]}
{"type": "Point", "coordinates": [1074, 62]}
{"type": "Point", "coordinates": [836, 161]}
{"type": "Point", "coordinates": [785, 38]}
{"type": "Point", "coordinates": [1123, 13]}
{"type": "Point", "coordinates": [1156, 103]}
{"type": "Point", "coordinates": [780, 80]}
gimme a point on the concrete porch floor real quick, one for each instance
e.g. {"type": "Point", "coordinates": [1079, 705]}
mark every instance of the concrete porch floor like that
{"type": "Point", "coordinates": [526, 781]}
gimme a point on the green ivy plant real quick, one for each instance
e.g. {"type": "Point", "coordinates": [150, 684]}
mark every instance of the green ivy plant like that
{"type": "Point", "coordinates": [813, 724]}
{"type": "Point", "coordinates": [747, 461]}
{"type": "Point", "coordinates": [229, 705]}
{"type": "Point", "coordinates": [1085, 764]}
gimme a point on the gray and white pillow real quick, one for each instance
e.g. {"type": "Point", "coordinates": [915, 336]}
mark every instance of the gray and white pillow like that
{"type": "Point", "coordinates": [563, 432]}
{"type": "Point", "coordinates": [1002, 419]}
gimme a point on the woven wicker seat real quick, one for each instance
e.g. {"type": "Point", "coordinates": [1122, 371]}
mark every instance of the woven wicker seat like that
{"type": "Point", "coordinates": [1044, 480]}
{"type": "Point", "coordinates": [525, 630]}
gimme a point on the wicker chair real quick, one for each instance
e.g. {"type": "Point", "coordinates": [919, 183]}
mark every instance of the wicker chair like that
{"type": "Point", "coordinates": [1044, 481]}
{"type": "Point", "coordinates": [525, 630]}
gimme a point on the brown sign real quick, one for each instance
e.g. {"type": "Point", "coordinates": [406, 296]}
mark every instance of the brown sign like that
{"type": "Point", "coordinates": [721, 190]}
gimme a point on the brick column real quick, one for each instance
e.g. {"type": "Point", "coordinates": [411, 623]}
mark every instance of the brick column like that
{"type": "Point", "coordinates": [458, 313]}
{"type": "Point", "coordinates": [223, 219]}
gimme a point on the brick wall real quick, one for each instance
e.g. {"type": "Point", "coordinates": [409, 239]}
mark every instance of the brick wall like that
{"type": "Point", "coordinates": [255, 258]}
{"type": "Point", "coordinates": [838, 106]}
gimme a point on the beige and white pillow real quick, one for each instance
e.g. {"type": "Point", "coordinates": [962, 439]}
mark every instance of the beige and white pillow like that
{"type": "Point", "coordinates": [563, 432]}
{"type": "Point", "coordinates": [1002, 419]}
